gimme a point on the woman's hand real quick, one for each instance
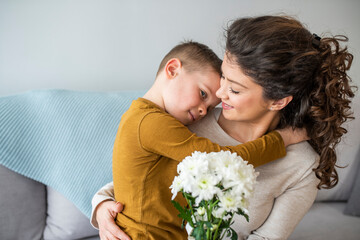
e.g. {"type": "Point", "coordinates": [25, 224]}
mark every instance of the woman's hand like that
{"type": "Point", "coordinates": [105, 217]}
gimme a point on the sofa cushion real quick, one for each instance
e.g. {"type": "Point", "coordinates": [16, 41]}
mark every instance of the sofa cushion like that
{"type": "Point", "coordinates": [64, 220]}
{"type": "Point", "coordinates": [22, 206]}
{"type": "Point", "coordinates": [353, 204]}
{"type": "Point", "coordinates": [326, 220]}
{"type": "Point", "coordinates": [347, 175]}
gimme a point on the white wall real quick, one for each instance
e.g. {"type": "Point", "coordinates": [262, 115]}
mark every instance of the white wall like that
{"type": "Point", "coordinates": [109, 45]}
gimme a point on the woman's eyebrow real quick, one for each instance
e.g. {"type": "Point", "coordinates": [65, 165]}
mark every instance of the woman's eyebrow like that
{"type": "Point", "coordinates": [232, 81]}
{"type": "Point", "coordinates": [235, 82]}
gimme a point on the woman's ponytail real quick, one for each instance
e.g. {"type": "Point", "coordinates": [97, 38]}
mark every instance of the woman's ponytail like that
{"type": "Point", "coordinates": [330, 106]}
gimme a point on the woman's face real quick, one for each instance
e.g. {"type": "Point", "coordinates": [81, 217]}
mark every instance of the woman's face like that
{"type": "Point", "coordinates": [242, 99]}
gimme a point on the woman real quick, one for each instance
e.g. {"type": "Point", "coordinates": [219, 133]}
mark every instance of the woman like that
{"type": "Point", "coordinates": [275, 58]}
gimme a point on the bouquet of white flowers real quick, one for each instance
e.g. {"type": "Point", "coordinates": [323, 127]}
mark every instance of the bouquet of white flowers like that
{"type": "Point", "coordinates": [216, 186]}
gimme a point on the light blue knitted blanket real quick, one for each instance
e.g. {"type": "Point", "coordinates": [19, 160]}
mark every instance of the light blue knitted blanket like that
{"type": "Point", "coordinates": [63, 139]}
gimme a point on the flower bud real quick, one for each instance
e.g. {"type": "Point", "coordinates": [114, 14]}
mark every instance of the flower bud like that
{"type": "Point", "coordinates": [201, 211]}
{"type": "Point", "coordinates": [214, 227]}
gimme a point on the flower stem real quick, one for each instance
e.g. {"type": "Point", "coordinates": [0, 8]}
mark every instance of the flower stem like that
{"type": "Point", "coordinates": [232, 216]}
{"type": "Point", "coordinates": [191, 209]}
{"type": "Point", "coordinates": [217, 230]}
{"type": "Point", "coordinates": [208, 213]}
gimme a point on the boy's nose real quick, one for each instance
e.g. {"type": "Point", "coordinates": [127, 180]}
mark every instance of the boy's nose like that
{"type": "Point", "coordinates": [202, 110]}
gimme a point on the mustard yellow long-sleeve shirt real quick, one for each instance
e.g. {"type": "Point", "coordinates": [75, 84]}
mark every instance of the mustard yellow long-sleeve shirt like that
{"type": "Point", "coordinates": [148, 147]}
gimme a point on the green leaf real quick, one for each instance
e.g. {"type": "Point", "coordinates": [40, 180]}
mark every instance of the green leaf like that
{"type": "Point", "coordinates": [207, 223]}
{"type": "Point", "coordinates": [183, 224]}
{"type": "Point", "coordinates": [184, 213]}
{"type": "Point", "coordinates": [234, 235]}
{"type": "Point", "coordinates": [199, 232]}
{"type": "Point", "coordinates": [241, 212]}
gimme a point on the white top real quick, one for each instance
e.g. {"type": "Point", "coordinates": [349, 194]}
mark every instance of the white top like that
{"type": "Point", "coordinates": [284, 192]}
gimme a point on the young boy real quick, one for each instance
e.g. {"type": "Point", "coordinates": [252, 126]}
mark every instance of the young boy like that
{"type": "Point", "coordinates": [152, 140]}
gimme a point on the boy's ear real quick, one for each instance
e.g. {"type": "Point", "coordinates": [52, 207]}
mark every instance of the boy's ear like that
{"type": "Point", "coordinates": [281, 103]}
{"type": "Point", "coordinates": [172, 68]}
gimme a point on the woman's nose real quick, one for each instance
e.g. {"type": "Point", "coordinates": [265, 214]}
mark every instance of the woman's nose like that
{"type": "Point", "coordinates": [221, 93]}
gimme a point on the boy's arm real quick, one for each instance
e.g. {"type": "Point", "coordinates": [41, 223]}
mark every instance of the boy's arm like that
{"type": "Point", "coordinates": [164, 135]}
{"type": "Point", "coordinates": [262, 150]}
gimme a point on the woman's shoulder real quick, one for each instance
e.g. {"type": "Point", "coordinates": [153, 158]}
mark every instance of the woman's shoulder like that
{"type": "Point", "coordinates": [303, 149]}
{"type": "Point", "coordinates": [299, 157]}
{"type": "Point", "coordinates": [302, 154]}
{"type": "Point", "coordinates": [295, 168]}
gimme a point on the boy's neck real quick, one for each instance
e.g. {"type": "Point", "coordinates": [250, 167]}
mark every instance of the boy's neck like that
{"type": "Point", "coordinates": [154, 94]}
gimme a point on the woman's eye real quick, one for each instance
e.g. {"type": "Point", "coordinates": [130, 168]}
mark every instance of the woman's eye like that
{"type": "Point", "coordinates": [222, 77]}
{"type": "Point", "coordinates": [203, 94]}
{"type": "Point", "coordinates": [233, 91]}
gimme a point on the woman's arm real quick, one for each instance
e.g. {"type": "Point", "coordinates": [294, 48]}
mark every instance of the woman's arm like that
{"type": "Point", "coordinates": [288, 210]}
{"type": "Point", "coordinates": [104, 210]}
{"type": "Point", "coordinates": [104, 194]}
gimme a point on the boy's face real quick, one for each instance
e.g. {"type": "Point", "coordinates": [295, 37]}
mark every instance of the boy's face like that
{"type": "Point", "coordinates": [190, 95]}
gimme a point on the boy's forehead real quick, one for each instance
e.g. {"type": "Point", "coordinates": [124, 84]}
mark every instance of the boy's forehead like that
{"type": "Point", "coordinates": [211, 80]}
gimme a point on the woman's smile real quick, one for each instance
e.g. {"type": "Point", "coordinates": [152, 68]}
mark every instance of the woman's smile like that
{"type": "Point", "coordinates": [226, 106]}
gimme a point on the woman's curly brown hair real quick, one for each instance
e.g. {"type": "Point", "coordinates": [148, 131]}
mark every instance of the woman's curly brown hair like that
{"type": "Point", "coordinates": [330, 106]}
{"type": "Point", "coordinates": [282, 56]}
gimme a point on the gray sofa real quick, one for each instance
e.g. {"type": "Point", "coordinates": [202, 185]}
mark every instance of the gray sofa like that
{"type": "Point", "coordinates": [30, 210]}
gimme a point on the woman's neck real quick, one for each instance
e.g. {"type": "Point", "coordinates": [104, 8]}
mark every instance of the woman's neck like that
{"type": "Point", "coordinates": [248, 131]}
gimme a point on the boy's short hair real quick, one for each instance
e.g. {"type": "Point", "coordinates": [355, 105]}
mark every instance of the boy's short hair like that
{"type": "Point", "coordinates": [194, 56]}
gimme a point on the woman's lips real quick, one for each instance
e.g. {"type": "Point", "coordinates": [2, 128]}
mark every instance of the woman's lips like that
{"type": "Point", "coordinates": [226, 106]}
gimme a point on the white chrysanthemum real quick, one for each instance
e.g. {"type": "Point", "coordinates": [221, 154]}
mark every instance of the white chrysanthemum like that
{"type": "Point", "coordinates": [230, 201]}
{"type": "Point", "coordinates": [221, 161]}
{"type": "Point", "coordinates": [205, 187]}
{"type": "Point", "coordinates": [225, 165]}
{"type": "Point", "coordinates": [193, 165]}
{"type": "Point", "coordinates": [176, 186]}
{"type": "Point", "coordinates": [235, 172]}
{"type": "Point", "coordinates": [244, 181]}
{"type": "Point", "coordinates": [222, 174]}
{"type": "Point", "coordinates": [218, 212]}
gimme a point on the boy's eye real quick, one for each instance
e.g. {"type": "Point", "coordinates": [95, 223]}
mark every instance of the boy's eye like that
{"type": "Point", "coordinates": [233, 91]}
{"type": "Point", "coordinates": [203, 94]}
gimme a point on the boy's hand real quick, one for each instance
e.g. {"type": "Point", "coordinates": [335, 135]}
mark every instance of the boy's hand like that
{"type": "Point", "coordinates": [292, 136]}
{"type": "Point", "coordinates": [105, 217]}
